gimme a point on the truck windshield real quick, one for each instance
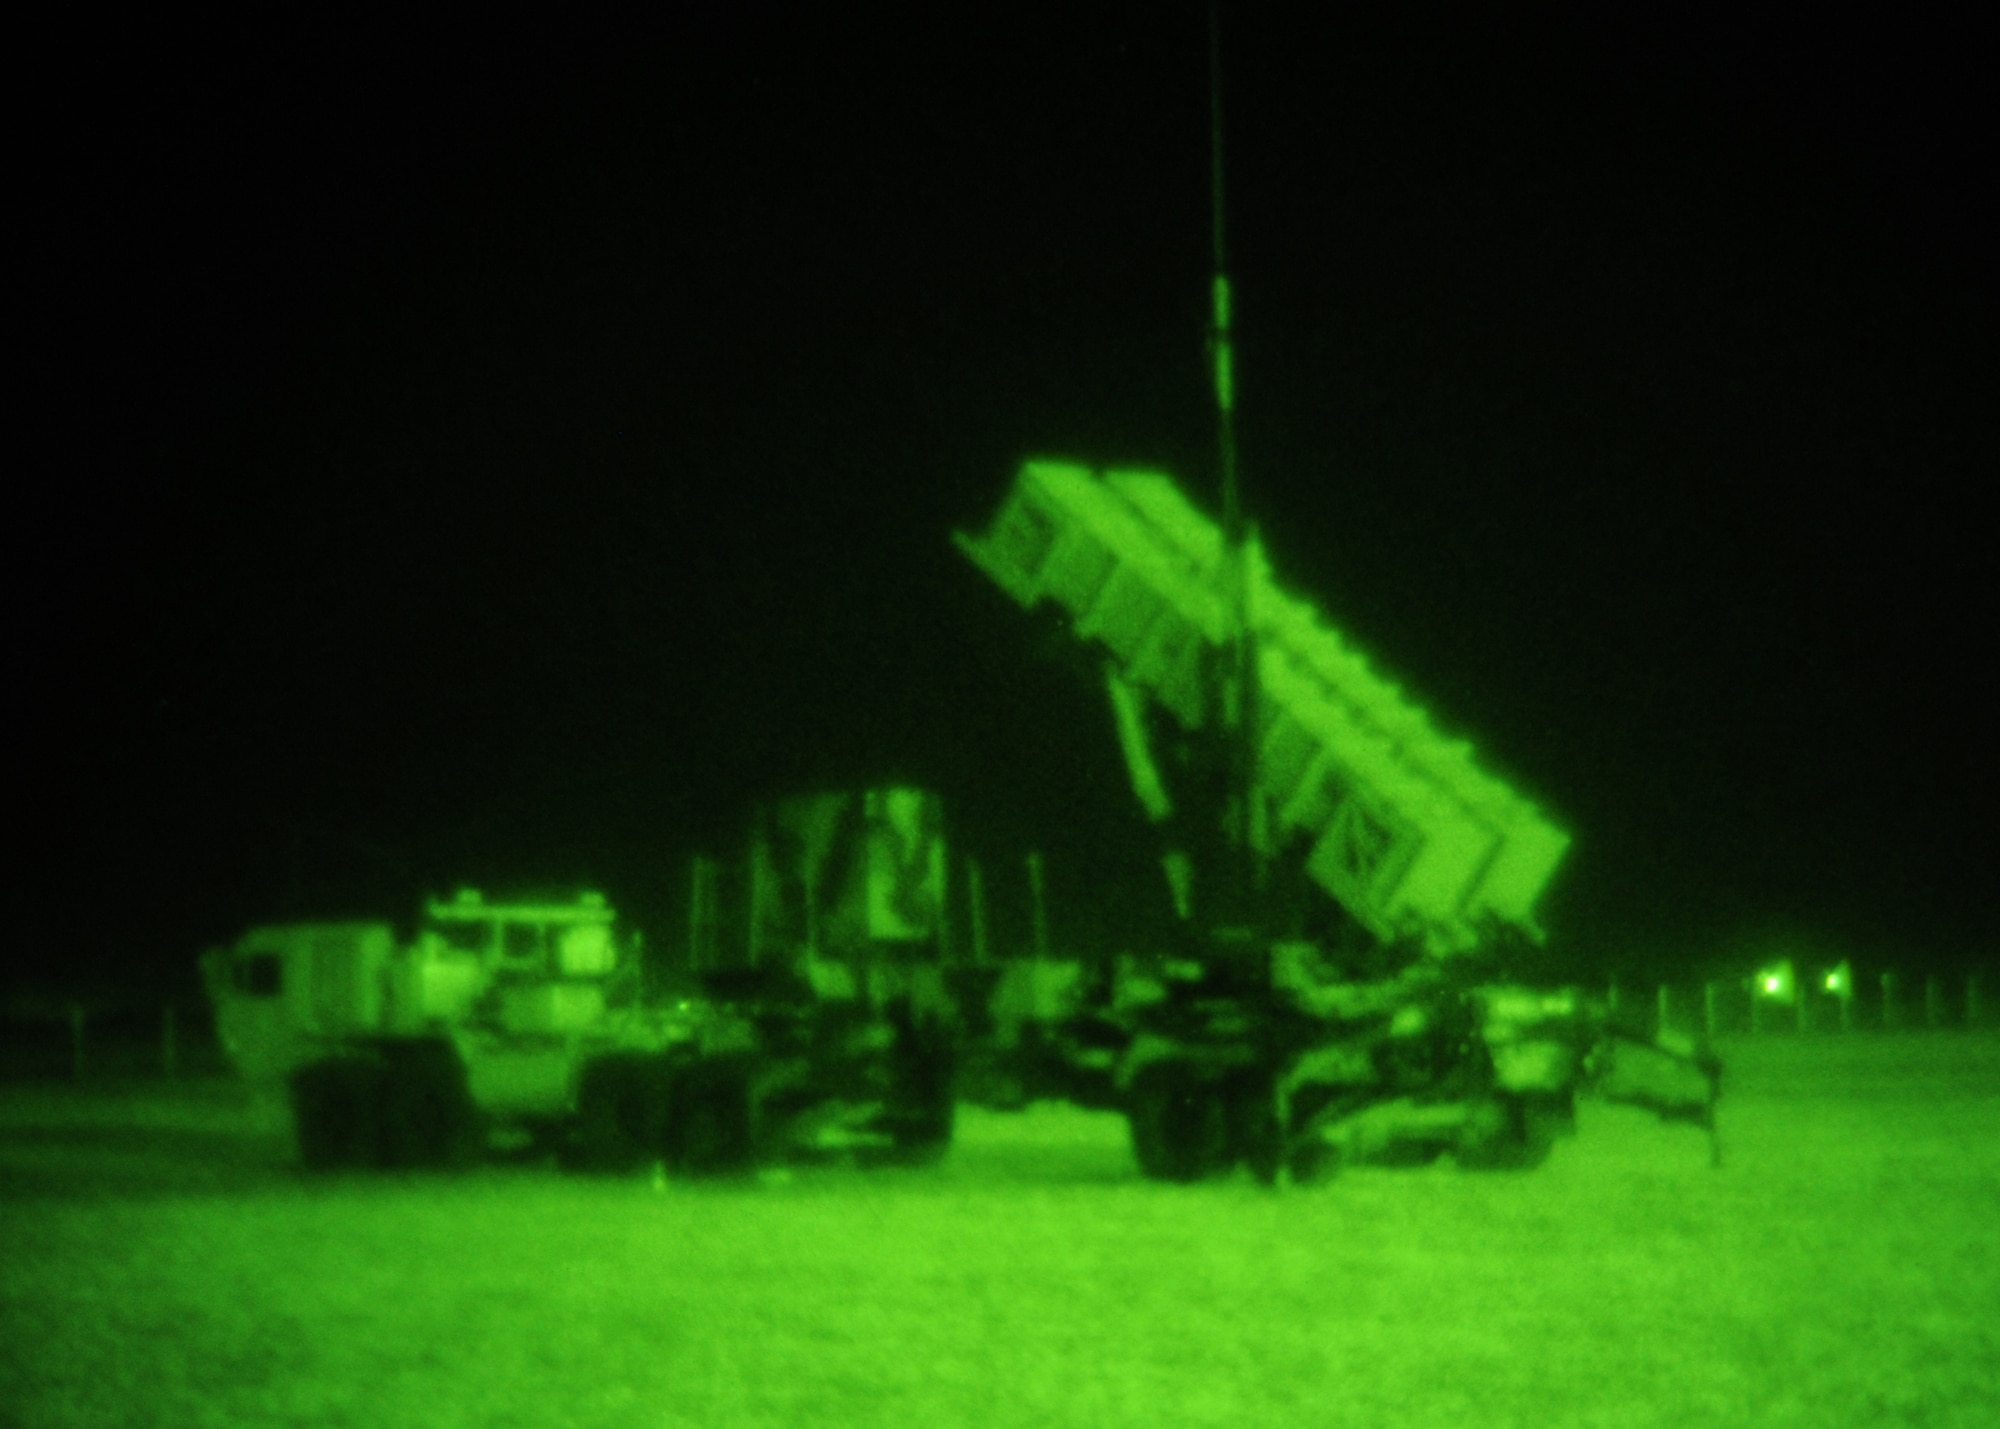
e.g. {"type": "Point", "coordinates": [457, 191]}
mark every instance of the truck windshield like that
{"type": "Point", "coordinates": [466, 937]}
{"type": "Point", "coordinates": [522, 943]}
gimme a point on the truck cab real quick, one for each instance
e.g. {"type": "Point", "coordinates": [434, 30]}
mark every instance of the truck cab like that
{"type": "Point", "coordinates": [484, 1019]}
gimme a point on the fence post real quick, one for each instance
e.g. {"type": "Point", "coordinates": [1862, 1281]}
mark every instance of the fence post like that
{"type": "Point", "coordinates": [1039, 909]}
{"type": "Point", "coordinates": [1847, 1009]}
{"type": "Point", "coordinates": [169, 1048]}
{"type": "Point", "coordinates": [1708, 1009]}
{"type": "Point", "coordinates": [1801, 1005]}
{"type": "Point", "coordinates": [704, 911]}
{"type": "Point", "coordinates": [946, 945]}
{"type": "Point", "coordinates": [1933, 1002]}
{"type": "Point", "coordinates": [975, 897]}
{"type": "Point", "coordinates": [76, 1041]}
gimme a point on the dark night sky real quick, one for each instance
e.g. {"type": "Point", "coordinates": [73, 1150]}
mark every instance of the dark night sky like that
{"type": "Point", "coordinates": [501, 455]}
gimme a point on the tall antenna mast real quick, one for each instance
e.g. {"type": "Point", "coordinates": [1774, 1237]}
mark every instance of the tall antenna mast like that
{"type": "Point", "coordinates": [1220, 346]}
{"type": "Point", "coordinates": [1238, 713]}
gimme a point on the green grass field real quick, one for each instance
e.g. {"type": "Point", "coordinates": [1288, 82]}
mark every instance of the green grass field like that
{"type": "Point", "coordinates": [160, 1264]}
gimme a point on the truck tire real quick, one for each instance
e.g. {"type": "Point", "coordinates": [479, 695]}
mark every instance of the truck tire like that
{"type": "Point", "coordinates": [336, 1110]}
{"type": "Point", "coordinates": [710, 1127]}
{"type": "Point", "coordinates": [428, 1118]}
{"type": "Point", "coordinates": [1180, 1124]}
{"type": "Point", "coordinates": [621, 1113]}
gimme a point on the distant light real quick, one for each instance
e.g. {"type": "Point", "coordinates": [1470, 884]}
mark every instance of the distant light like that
{"type": "Point", "coordinates": [1833, 982]}
{"type": "Point", "coordinates": [1777, 981]}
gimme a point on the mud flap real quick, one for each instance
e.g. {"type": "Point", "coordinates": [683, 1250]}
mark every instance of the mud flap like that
{"type": "Point", "coordinates": [1256, 1139]}
{"type": "Point", "coordinates": [1180, 1124]}
{"type": "Point", "coordinates": [1503, 1132]}
{"type": "Point", "coordinates": [921, 1108]}
{"type": "Point", "coordinates": [621, 1113]}
{"type": "Point", "coordinates": [711, 1121]}
{"type": "Point", "coordinates": [427, 1118]}
{"type": "Point", "coordinates": [336, 1110]}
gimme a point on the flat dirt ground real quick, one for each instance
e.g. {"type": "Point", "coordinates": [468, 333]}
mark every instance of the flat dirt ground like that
{"type": "Point", "coordinates": [160, 1263]}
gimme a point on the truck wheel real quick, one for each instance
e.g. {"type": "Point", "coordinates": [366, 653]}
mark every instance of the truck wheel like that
{"type": "Point", "coordinates": [428, 1118]}
{"type": "Point", "coordinates": [621, 1113]}
{"type": "Point", "coordinates": [336, 1108]}
{"type": "Point", "coordinates": [709, 1130]}
{"type": "Point", "coordinates": [1180, 1124]}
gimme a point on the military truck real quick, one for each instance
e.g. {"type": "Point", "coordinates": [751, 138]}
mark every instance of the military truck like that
{"type": "Point", "coordinates": [496, 1026]}
{"type": "Point", "coordinates": [811, 1021]}
{"type": "Point", "coordinates": [1355, 895]}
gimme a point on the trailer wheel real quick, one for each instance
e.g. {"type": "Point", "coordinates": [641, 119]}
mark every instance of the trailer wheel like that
{"type": "Point", "coordinates": [621, 1113]}
{"type": "Point", "coordinates": [709, 1131]}
{"type": "Point", "coordinates": [1180, 1124]}
{"type": "Point", "coordinates": [428, 1118]}
{"type": "Point", "coordinates": [336, 1109]}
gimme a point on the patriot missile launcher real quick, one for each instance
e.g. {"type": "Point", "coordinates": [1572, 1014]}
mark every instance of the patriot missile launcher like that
{"type": "Point", "coordinates": [1381, 1016]}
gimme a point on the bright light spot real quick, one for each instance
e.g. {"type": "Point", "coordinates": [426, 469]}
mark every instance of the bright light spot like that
{"type": "Point", "coordinates": [1833, 982]}
{"type": "Point", "coordinates": [1773, 984]}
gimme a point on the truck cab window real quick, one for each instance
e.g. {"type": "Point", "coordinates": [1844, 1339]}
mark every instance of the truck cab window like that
{"type": "Point", "coordinates": [521, 943]}
{"type": "Point", "coordinates": [259, 975]}
{"type": "Point", "coordinates": [466, 937]}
